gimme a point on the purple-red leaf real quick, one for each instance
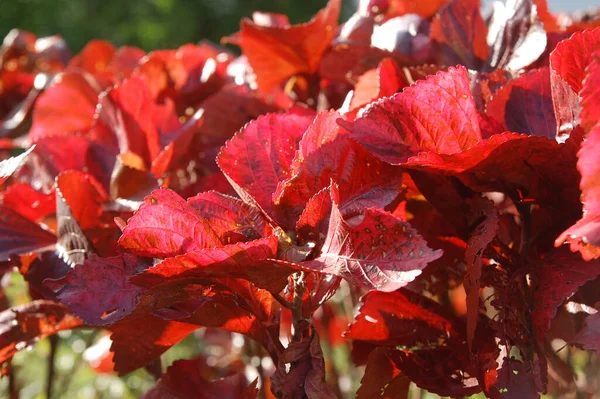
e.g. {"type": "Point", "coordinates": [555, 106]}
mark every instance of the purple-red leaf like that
{"type": "Point", "coordinates": [524, 105]}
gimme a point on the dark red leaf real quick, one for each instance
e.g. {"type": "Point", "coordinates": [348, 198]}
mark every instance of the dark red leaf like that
{"type": "Point", "coordinates": [278, 52]}
{"type": "Point", "coordinates": [19, 235]}
{"type": "Point", "coordinates": [485, 215]}
{"type": "Point", "coordinates": [184, 380]}
{"type": "Point", "coordinates": [314, 220]}
{"type": "Point", "coordinates": [459, 32]}
{"type": "Point", "coordinates": [22, 326]}
{"type": "Point", "coordinates": [382, 378]}
{"type": "Point", "coordinates": [241, 260]}
{"type": "Point", "coordinates": [259, 156]}
{"type": "Point", "coordinates": [166, 225]}
{"type": "Point", "coordinates": [587, 337]}
{"type": "Point", "coordinates": [403, 318]}
{"type": "Point", "coordinates": [508, 162]}
{"type": "Point", "coordinates": [136, 344]}
{"type": "Point", "coordinates": [524, 105]}
{"type": "Point", "coordinates": [306, 375]}
{"type": "Point", "coordinates": [437, 114]}
{"type": "Point", "coordinates": [515, 380]}
{"type": "Point", "coordinates": [556, 278]}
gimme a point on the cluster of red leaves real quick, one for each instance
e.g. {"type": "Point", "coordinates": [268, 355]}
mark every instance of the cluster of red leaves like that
{"type": "Point", "coordinates": [416, 150]}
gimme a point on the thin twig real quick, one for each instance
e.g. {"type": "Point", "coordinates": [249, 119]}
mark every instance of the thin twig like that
{"type": "Point", "coordinates": [51, 360]}
{"type": "Point", "coordinates": [13, 389]}
{"type": "Point", "coordinates": [284, 302]}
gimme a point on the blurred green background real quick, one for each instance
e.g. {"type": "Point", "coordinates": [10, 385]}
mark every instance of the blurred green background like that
{"type": "Point", "coordinates": [149, 24]}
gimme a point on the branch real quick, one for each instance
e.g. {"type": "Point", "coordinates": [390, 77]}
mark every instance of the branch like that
{"type": "Point", "coordinates": [51, 357]}
{"type": "Point", "coordinates": [297, 316]}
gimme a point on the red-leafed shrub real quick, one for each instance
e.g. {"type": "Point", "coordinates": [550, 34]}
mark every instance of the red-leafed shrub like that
{"type": "Point", "coordinates": [397, 192]}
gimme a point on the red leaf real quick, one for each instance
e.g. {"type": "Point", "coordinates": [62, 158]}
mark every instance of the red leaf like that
{"type": "Point", "coordinates": [437, 114]}
{"type": "Point", "coordinates": [83, 195]}
{"type": "Point", "coordinates": [323, 129]}
{"type": "Point", "coordinates": [374, 84]}
{"type": "Point", "coordinates": [241, 260]}
{"type": "Point", "coordinates": [67, 107]}
{"type": "Point", "coordinates": [571, 56]}
{"type": "Point", "coordinates": [485, 214]}
{"type": "Point", "coordinates": [524, 105]}
{"type": "Point", "coordinates": [584, 236]}
{"type": "Point", "coordinates": [24, 325]}
{"type": "Point", "coordinates": [19, 235]}
{"type": "Point", "coordinates": [364, 180]}
{"type": "Point", "coordinates": [32, 204]}
{"type": "Point", "coordinates": [306, 375]}
{"type": "Point", "coordinates": [187, 75]}
{"type": "Point", "coordinates": [460, 31]}
{"type": "Point", "coordinates": [10, 165]}
{"type": "Point", "coordinates": [374, 250]}
{"type": "Point", "coordinates": [590, 94]}
{"type": "Point", "coordinates": [131, 121]}
{"type": "Point", "coordinates": [231, 219]}
{"type": "Point", "coordinates": [165, 226]}
{"type": "Point", "coordinates": [278, 52]}
{"type": "Point", "coordinates": [423, 8]}
{"type": "Point", "coordinates": [175, 153]}
{"type": "Point", "coordinates": [184, 380]}
{"type": "Point", "coordinates": [94, 57]}
{"type": "Point", "coordinates": [259, 156]}
{"type": "Point", "coordinates": [556, 278]}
